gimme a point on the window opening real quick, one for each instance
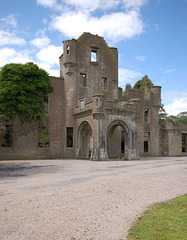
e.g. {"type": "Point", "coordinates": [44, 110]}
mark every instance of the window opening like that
{"type": "Point", "coordinates": [122, 147]}
{"type": "Point", "coordinates": [97, 102]}
{"type": "Point", "coordinates": [146, 115]}
{"type": "Point", "coordinates": [184, 142]}
{"type": "Point", "coordinates": [83, 80]}
{"type": "Point", "coordinates": [103, 83]}
{"type": "Point", "coordinates": [122, 142]}
{"type": "Point", "coordinates": [67, 49]}
{"type": "Point", "coordinates": [93, 56]}
{"type": "Point", "coordinates": [146, 146]}
{"type": "Point", "coordinates": [69, 136]}
{"type": "Point", "coordinates": [43, 137]}
{"type": "Point", "coordinates": [82, 105]}
{"type": "Point", "coordinates": [7, 139]}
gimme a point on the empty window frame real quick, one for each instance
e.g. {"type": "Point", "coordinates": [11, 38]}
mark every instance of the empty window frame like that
{"type": "Point", "coordinates": [43, 137]}
{"type": "Point", "coordinates": [69, 137]}
{"type": "Point", "coordinates": [93, 55]}
{"type": "Point", "coordinates": [67, 49]}
{"type": "Point", "coordinates": [7, 138]}
{"type": "Point", "coordinates": [146, 146]}
{"type": "Point", "coordinates": [97, 102]}
{"type": "Point", "coordinates": [104, 83]}
{"type": "Point", "coordinates": [122, 142]}
{"type": "Point", "coordinates": [83, 80]}
{"type": "Point", "coordinates": [184, 142]}
{"type": "Point", "coordinates": [146, 115]}
{"type": "Point", "coordinates": [82, 104]}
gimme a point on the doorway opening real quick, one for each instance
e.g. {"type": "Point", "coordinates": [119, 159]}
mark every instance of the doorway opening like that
{"type": "Point", "coordinates": [85, 140]}
{"type": "Point", "coordinates": [117, 140]}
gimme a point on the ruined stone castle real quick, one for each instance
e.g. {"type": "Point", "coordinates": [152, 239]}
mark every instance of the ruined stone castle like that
{"type": "Point", "coordinates": [89, 117]}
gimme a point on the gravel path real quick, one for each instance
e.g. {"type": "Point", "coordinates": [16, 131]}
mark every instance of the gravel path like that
{"type": "Point", "coordinates": [83, 200]}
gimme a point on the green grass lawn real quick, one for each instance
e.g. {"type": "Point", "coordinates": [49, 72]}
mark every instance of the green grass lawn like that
{"type": "Point", "coordinates": [163, 221]}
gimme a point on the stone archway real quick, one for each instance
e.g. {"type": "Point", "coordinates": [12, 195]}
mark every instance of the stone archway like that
{"type": "Point", "coordinates": [85, 140]}
{"type": "Point", "coordinates": [118, 140]}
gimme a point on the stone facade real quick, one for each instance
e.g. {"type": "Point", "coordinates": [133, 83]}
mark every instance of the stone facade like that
{"type": "Point", "coordinates": [172, 136]}
{"type": "Point", "coordinates": [89, 117]}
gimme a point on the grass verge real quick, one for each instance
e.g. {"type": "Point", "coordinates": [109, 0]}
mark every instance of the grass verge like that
{"type": "Point", "coordinates": [163, 221]}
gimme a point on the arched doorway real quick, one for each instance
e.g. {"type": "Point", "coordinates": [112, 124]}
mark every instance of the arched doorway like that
{"type": "Point", "coordinates": [85, 140]}
{"type": "Point", "coordinates": [117, 140]}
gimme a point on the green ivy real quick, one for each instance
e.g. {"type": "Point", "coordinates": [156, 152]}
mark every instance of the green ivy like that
{"type": "Point", "coordinates": [43, 137]}
{"type": "Point", "coordinates": [141, 84]}
{"type": "Point", "coordinates": [23, 88]}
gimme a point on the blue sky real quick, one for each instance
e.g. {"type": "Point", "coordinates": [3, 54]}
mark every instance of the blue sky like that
{"type": "Point", "coordinates": [151, 37]}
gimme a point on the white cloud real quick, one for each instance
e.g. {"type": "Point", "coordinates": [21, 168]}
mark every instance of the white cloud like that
{"type": "Point", "coordinates": [47, 3]}
{"type": "Point", "coordinates": [177, 101]}
{"type": "Point", "coordinates": [41, 32]}
{"type": "Point", "coordinates": [178, 105]}
{"type": "Point", "coordinates": [9, 20]}
{"type": "Point", "coordinates": [51, 4]}
{"type": "Point", "coordinates": [7, 38]}
{"type": "Point", "coordinates": [128, 76]}
{"type": "Point", "coordinates": [10, 55]}
{"type": "Point", "coordinates": [116, 26]}
{"type": "Point", "coordinates": [50, 54]}
{"type": "Point", "coordinates": [141, 58]}
{"type": "Point", "coordinates": [21, 57]}
{"type": "Point", "coordinates": [134, 3]}
{"type": "Point", "coordinates": [5, 54]}
{"type": "Point", "coordinates": [169, 71]}
{"type": "Point", "coordinates": [55, 72]}
{"type": "Point", "coordinates": [87, 5]}
{"type": "Point", "coordinates": [40, 42]}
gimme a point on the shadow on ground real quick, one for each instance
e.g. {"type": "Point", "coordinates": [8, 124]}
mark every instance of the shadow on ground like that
{"type": "Point", "coordinates": [11, 170]}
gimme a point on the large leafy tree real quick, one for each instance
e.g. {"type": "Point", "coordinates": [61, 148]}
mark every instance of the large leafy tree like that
{"type": "Point", "coordinates": [162, 115]}
{"type": "Point", "coordinates": [23, 89]}
{"type": "Point", "coordinates": [182, 118]}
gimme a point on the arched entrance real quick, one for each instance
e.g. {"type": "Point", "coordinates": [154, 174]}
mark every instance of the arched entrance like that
{"type": "Point", "coordinates": [118, 140]}
{"type": "Point", "coordinates": [85, 140]}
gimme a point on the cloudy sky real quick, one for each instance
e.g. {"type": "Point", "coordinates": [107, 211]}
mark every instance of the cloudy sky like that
{"type": "Point", "coordinates": [151, 37]}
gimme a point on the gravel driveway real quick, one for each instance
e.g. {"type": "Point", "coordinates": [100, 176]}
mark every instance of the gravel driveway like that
{"type": "Point", "coordinates": [83, 200]}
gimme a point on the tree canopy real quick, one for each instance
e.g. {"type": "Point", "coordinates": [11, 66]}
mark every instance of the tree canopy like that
{"type": "Point", "coordinates": [23, 89]}
{"type": "Point", "coordinates": [180, 119]}
{"type": "Point", "coordinates": [162, 115]}
{"type": "Point", "coordinates": [145, 81]}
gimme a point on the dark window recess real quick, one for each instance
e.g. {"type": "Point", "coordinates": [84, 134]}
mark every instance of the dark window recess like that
{"type": "Point", "coordinates": [83, 80]}
{"type": "Point", "coordinates": [93, 56]}
{"type": "Point", "coordinates": [67, 49]}
{"type": "Point", "coordinates": [146, 146]}
{"type": "Point", "coordinates": [97, 102]}
{"type": "Point", "coordinates": [122, 142]}
{"type": "Point", "coordinates": [7, 139]}
{"type": "Point", "coordinates": [146, 115]}
{"type": "Point", "coordinates": [43, 137]}
{"type": "Point", "coordinates": [69, 136]}
{"type": "Point", "coordinates": [122, 146]}
{"type": "Point", "coordinates": [184, 142]}
{"type": "Point", "coordinates": [103, 83]}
